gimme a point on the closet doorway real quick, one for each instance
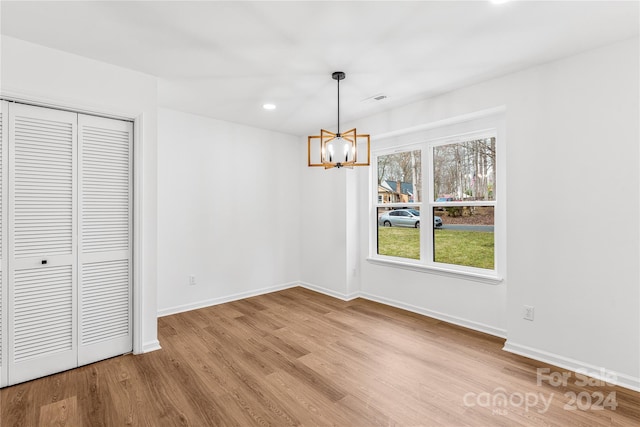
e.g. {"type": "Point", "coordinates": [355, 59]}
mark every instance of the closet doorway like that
{"type": "Point", "coordinates": [65, 240]}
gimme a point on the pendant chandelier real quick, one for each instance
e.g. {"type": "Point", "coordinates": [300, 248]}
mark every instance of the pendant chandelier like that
{"type": "Point", "coordinates": [337, 150]}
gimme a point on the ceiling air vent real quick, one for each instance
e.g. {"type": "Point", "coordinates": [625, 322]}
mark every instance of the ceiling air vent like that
{"type": "Point", "coordinates": [375, 98]}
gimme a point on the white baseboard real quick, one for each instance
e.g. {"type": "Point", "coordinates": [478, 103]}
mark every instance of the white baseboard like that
{"type": "Point", "coordinates": [596, 372]}
{"type": "Point", "coordinates": [476, 326]}
{"type": "Point", "coordinates": [429, 313]}
{"type": "Point", "coordinates": [331, 293]}
{"type": "Point", "coordinates": [150, 346]}
{"type": "Point", "coordinates": [221, 300]}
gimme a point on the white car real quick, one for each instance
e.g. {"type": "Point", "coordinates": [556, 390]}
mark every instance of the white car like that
{"type": "Point", "coordinates": [405, 218]}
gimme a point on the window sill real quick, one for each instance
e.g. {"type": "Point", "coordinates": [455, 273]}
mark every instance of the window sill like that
{"type": "Point", "coordinates": [490, 279]}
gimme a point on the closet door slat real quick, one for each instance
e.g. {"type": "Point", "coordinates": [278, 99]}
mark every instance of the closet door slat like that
{"type": "Point", "coordinates": [36, 194]}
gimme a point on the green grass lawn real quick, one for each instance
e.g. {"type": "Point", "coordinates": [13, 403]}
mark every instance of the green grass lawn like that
{"type": "Point", "coordinates": [470, 248]}
{"type": "Point", "coordinates": [399, 241]}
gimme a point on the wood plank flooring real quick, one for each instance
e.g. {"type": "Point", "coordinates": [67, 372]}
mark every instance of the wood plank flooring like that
{"type": "Point", "coordinates": [297, 357]}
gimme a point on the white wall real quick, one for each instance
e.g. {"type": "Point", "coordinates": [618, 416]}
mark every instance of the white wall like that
{"type": "Point", "coordinates": [572, 158]}
{"type": "Point", "coordinates": [324, 232]}
{"type": "Point", "coordinates": [46, 76]}
{"type": "Point", "coordinates": [578, 120]}
{"type": "Point", "coordinates": [228, 211]}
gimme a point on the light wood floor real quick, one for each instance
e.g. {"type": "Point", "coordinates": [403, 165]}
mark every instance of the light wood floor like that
{"type": "Point", "coordinates": [296, 357]}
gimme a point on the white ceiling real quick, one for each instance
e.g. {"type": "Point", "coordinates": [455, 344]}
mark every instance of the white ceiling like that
{"type": "Point", "coordinates": [226, 59]}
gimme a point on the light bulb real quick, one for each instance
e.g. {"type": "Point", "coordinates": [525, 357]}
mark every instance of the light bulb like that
{"type": "Point", "coordinates": [339, 150]}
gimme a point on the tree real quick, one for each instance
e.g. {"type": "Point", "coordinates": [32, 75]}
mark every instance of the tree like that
{"type": "Point", "coordinates": [404, 167]}
{"type": "Point", "coordinates": [465, 169]}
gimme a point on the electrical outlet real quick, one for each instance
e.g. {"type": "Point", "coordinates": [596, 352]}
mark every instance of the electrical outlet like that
{"type": "Point", "coordinates": [192, 280]}
{"type": "Point", "coordinates": [528, 312]}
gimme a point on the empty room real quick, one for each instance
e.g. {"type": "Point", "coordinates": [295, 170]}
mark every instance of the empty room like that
{"type": "Point", "coordinates": [320, 213]}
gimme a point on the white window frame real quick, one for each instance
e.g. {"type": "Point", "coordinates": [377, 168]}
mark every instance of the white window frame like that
{"type": "Point", "coordinates": [426, 141]}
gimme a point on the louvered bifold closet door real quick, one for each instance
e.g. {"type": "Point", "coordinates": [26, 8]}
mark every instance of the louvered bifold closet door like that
{"type": "Point", "coordinates": [4, 170]}
{"type": "Point", "coordinates": [105, 294]}
{"type": "Point", "coordinates": [42, 242]}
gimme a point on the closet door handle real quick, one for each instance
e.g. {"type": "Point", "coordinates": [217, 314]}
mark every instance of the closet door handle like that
{"type": "Point", "coordinates": [44, 261]}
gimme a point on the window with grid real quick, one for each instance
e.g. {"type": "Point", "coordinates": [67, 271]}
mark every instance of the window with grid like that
{"type": "Point", "coordinates": [450, 221]}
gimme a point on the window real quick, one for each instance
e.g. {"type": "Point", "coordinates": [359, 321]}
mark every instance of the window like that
{"type": "Point", "coordinates": [458, 202]}
{"type": "Point", "coordinates": [464, 179]}
{"type": "Point", "coordinates": [398, 211]}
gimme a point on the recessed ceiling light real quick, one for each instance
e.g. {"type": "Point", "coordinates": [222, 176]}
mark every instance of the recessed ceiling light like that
{"type": "Point", "coordinates": [269, 106]}
{"type": "Point", "coordinates": [499, 1]}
